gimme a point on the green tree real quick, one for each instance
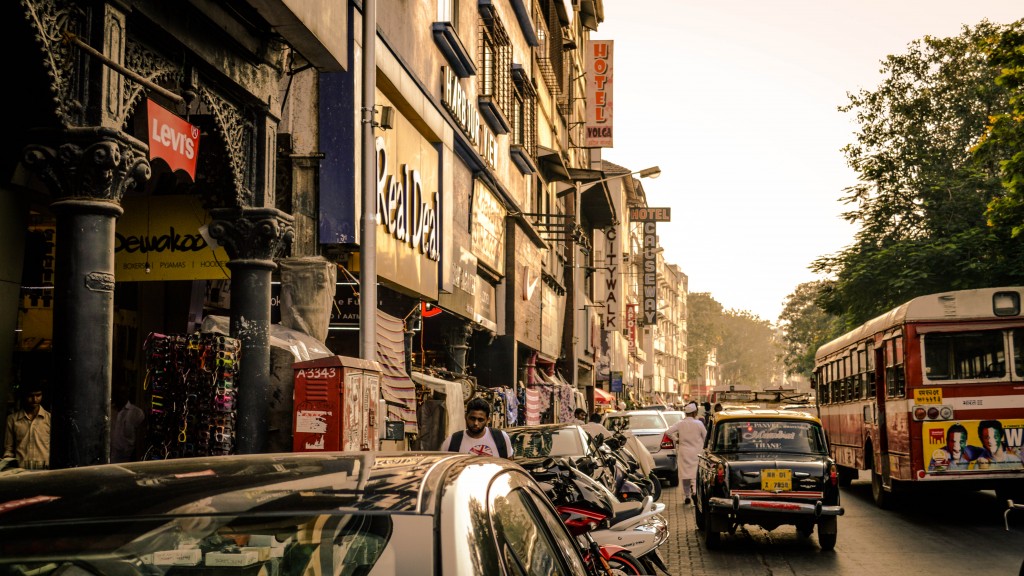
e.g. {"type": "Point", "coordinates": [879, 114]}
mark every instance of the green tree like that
{"type": "Point", "coordinates": [921, 195]}
{"type": "Point", "coordinates": [1004, 140]}
{"type": "Point", "coordinates": [749, 354]}
{"type": "Point", "coordinates": [806, 327]}
{"type": "Point", "coordinates": [704, 332]}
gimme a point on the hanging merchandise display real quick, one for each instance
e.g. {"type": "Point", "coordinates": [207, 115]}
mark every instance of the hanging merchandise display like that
{"type": "Point", "coordinates": [191, 392]}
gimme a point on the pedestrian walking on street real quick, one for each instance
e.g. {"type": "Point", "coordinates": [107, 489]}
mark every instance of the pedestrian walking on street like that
{"type": "Point", "coordinates": [479, 438]}
{"type": "Point", "coordinates": [688, 434]}
{"type": "Point", "coordinates": [27, 437]}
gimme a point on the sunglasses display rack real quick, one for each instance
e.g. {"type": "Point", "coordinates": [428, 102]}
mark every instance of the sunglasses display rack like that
{"type": "Point", "coordinates": [190, 386]}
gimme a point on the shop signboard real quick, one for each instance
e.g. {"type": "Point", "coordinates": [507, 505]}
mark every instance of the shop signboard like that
{"type": "Point", "coordinates": [649, 274]}
{"type": "Point", "coordinates": [172, 139]}
{"type": "Point", "coordinates": [161, 238]}
{"type": "Point", "coordinates": [616, 382]}
{"type": "Point", "coordinates": [599, 130]}
{"type": "Point", "coordinates": [462, 299]}
{"type": "Point", "coordinates": [631, 328]}
{"type": "Point", "coordinates": [408, 209]}
{"type": "Point", "coordinates": [488, 228]}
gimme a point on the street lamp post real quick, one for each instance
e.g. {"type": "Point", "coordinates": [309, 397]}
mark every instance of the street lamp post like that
{"type": "Point", "coordinates": [577, 266]}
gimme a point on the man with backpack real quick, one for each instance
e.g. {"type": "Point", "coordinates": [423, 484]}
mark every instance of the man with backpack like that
{"type": "Point", "coordinates": [479, 438]}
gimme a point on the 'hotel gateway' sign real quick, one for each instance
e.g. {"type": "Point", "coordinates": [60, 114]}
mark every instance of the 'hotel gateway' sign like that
{"type": "Point", "coordinates": [468, 118]}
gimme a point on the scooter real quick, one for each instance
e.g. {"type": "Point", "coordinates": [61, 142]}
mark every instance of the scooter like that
{"type": "Point", "coordinates": [588, 507]}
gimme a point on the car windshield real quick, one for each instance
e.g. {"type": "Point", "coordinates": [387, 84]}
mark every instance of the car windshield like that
{"type": "Point", "coordinates": [636, 422]}
{"type": "Point", "coordinates": [207, 544]}
{"type": "Point", "coordinates": [546, 442]}
{"type": "Point", "coordinates": [672, 417]}
{"type": "Point", "coordinates": [768, 435]}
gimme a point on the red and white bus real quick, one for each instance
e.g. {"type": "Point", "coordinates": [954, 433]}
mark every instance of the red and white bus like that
{"type": "Point", "coordinates": [930, 392]}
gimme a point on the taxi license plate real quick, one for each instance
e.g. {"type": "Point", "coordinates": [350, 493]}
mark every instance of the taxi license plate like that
{"type": "Point", "coordinates": [776, 480]}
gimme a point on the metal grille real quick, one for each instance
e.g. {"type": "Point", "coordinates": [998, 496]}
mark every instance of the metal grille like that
{"type": "Point", "coordinates": [495, 62]}
{"type": "Point", "coordinates": [524, 114]}
{"type": "Point", "coordinates": [549, 52]}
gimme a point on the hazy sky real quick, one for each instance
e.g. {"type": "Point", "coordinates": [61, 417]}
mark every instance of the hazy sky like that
{"type": "Point", "coordinates": [736, 101]}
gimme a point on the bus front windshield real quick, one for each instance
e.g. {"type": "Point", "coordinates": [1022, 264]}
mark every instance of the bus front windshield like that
{"type": "Point", "coordinates": [976, 355]}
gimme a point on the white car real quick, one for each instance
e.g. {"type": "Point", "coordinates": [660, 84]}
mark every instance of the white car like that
{"type": "Point", "coordinates": [284, 514]}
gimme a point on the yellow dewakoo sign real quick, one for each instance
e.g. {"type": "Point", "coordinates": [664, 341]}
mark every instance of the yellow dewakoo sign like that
{"type": "Point", "coordinates": [161, 234]}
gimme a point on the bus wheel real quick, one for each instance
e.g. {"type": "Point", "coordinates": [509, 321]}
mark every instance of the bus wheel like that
{"type": "Point", "coordinates": [882, 498]}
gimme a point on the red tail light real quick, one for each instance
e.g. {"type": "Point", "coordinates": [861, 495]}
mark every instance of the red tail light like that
{"type": "Point", "coordinates": [833, 475]}
{"type": "Point", "coordinates": [667, 443]}
{"type": "Point", "coordinates": [720, 474]}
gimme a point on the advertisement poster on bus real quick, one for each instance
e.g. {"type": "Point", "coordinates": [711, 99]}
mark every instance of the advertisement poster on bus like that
{"type": "Point", "coordinates": [973, 446]}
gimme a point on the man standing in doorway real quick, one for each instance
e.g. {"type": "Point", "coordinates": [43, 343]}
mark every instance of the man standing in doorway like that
{"type": "Point", "coordinates": [27, 437]}
{"type": "Point", "coordinates": [479, 438]}
{"type": "Point", "coordinates": [689, 434]}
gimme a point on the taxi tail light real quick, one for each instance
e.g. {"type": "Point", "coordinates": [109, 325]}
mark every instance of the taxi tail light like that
{"type": "Point", "coordinates": [720, 474]}
{"type": "Point", "coordinates": [833, 475]}
{"type": "Point", "coordinates": [667, 443]}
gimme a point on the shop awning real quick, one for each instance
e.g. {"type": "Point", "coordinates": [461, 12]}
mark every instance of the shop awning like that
{"type": "Point", "coordinates": [602, 397]}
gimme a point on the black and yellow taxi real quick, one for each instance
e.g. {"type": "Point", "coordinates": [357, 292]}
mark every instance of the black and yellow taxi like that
{"type": "Point", "coordinates": [767, 468]}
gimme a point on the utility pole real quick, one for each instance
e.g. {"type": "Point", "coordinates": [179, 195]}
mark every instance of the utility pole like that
{"type": "Point", "coordinates": [368, 221]}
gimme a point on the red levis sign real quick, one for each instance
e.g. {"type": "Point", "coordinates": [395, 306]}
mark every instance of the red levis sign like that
{"type": "Point", "coordinates": [173, 139]}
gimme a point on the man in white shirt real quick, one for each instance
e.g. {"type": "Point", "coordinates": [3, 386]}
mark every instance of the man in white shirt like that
{"type": "Point", "coordinates": [689, 434]}
{"type": "Point", "coordinates": [479, 438]}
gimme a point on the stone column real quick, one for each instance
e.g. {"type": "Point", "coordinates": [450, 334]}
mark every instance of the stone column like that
{"type": "Point", "coordinates": [87, 175]}
{"type": "Point", "coordinates": [252, 237]}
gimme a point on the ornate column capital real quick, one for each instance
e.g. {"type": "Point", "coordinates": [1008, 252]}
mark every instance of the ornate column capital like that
{"type": "Point", "coordinates": [252, 234]}
{"type": "Point", "coordinates": [95, 164]}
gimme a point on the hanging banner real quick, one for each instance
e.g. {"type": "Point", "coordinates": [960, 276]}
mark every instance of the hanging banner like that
{"type": "Point", "coordinates": [599, 94]}
{"type": "Point", "coordinates": [172, 139]}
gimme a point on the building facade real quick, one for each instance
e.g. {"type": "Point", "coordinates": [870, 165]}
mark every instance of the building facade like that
{"type": "Point", "coordinates": [506, 264]}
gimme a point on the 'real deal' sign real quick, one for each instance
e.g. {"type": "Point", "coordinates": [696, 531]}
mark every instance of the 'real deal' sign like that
{"type": "Point", "coordinates": [172, 139]}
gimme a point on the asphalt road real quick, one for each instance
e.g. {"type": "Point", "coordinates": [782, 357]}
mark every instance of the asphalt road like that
{"type": "Point", "coordinates": [934, 534]}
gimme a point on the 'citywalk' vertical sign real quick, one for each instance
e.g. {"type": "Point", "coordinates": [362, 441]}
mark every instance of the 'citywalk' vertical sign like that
{"type": "Point", "coordinates": [599, 94]}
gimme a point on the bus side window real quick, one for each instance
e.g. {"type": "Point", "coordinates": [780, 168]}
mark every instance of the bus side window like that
{"type": "Point", "coordinates": [901, 375]}
{"type": "Point", "coordinates": [890, 370]}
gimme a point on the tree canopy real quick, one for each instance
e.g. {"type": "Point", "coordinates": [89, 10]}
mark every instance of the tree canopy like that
{"type": "Point", "coordinates": [704, 332]}
{"type": "Point", "coordinates": [749, 355]}
{"type": "Point", "coordinates": [806, 327]}
{"type": "Point", "coordinates": [1004, 140]}
{"type": "Point", "coordinates": [922, 193]}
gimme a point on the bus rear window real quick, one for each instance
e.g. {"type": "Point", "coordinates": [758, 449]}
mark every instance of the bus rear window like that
{"type": "Point", "coordinates": [964, 356]}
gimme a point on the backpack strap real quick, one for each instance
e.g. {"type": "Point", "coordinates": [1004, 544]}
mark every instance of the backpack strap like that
{"type": "Point", "coordinates": [500, 440]}
{"type": "Point", "coordinates": [456, 442]}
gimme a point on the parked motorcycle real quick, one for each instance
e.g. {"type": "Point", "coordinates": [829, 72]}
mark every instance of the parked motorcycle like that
{"type": "Point", "coordinates": [627, 533]}
{"type": "Point", "coordinates": [648, 481]}
{"type": "Point", "coordinates": [611, 470]}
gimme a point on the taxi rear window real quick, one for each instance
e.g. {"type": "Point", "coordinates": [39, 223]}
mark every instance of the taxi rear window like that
{"type": "Point", "coordinates": [769, 435]}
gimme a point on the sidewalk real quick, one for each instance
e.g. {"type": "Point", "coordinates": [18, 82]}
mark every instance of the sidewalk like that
{"type": "Point", "coordinates": [683, 552]}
